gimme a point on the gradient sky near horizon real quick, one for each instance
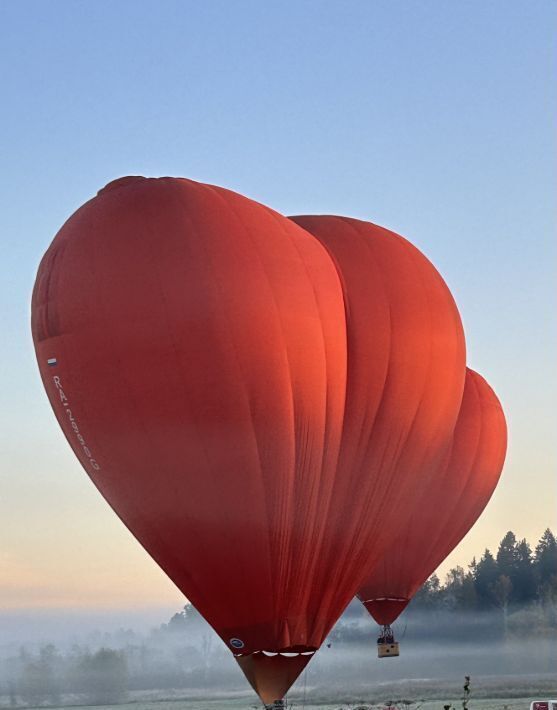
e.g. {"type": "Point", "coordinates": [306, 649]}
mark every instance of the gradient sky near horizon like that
{"type": "Point", "coordinates": [433, 118]}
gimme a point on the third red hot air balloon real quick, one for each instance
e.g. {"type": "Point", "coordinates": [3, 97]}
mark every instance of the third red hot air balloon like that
{"type": "Point", "coordinates": [445, 512]}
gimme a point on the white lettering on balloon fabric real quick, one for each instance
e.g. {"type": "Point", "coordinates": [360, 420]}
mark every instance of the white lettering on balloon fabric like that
{"type": "Point", "coordinates": [74, 425]}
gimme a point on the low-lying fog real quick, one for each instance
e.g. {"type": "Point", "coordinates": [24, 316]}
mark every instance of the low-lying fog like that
{"type": "Point", "coordinates": [56, 658]}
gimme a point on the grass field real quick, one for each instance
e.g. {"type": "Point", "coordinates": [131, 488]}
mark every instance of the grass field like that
{"type": "Point", "coordinates": [488, 693]}
{"type": "Point", "coordinates": [250, 704]}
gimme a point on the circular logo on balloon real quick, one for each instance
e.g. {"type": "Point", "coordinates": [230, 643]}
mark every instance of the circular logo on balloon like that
{"type": "Point", "coordinates": [236, 643]}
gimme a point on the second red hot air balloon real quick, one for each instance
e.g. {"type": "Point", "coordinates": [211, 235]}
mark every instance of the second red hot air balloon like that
{"type": "Point", "coordinates": [444, 513]}
{"type": "Point", "coordinates": [406, 367]}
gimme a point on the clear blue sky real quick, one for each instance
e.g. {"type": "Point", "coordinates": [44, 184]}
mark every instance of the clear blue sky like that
{"type": "Point", "coordinates": [433, 118]}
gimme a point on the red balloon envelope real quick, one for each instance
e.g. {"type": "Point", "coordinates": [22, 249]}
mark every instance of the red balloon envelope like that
{"type": "Point", "coordinates": [406, 365]}
{"type": "Point", "coordinates": [193, 345]}
{"type": "Point", "coordinates": [448, 509]}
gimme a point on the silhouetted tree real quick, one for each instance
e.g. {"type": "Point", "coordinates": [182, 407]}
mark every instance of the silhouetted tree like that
{"type": "Point", "coordinates": [546, 558]}
{"type": "Point", "coordinates": [468, 595]}
{"type": "Point", "coordinates": [507, 558]}
{"type": "Point", "coordinates": [39, 679]}
{"type": "Point", "coordinates": [101, 676]}
{"type": "Point", "coordinates": [524, 582]}
{"type": "Point", "coordinates": [502, 590]}
{"type": "Point", "coordinates": [485, 575]}
{"type": "Point", "coordinates": [452, 591]}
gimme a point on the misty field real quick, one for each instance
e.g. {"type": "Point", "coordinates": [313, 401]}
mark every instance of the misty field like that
{"type": "Point", "coordinates": [183, 666]}
{"type": "Point", "coordinates": [488, 693]}
{"type": "Point", "coordinates": [488, 704]}
{"type": "Point", "coordinates": [246, 704]}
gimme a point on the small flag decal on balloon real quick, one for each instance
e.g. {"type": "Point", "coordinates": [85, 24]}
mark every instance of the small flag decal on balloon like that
{"type": "Point", "coordinates": [52, 361]}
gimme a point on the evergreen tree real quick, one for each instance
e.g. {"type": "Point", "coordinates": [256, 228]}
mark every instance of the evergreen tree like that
{"type": "Point", "coordinates": [546, 559]}
{"type": "Point", "coordinates": [524, 584]}
{"type": "Point", "coordinates": [507, 557]}
{"type": "Point", "coordinates": [486, 574]}
{"type": "Point", "coordinates": [468, 597]}
{"type": "Point", "coordinates": [516, 576]}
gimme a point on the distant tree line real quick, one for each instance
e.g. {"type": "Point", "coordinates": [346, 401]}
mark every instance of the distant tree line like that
{"type": "Point", "coordinates": [183, 653]}
{"type": "Point", "coordinates": [515, 576]}
{"type": "Point", "coordinates": [510, 594]}
{"type": "Point", "coordinates": [45, 677]}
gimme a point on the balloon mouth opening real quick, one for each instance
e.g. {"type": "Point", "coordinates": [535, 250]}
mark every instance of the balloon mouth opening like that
{"type": "Point", "coordinates": [384, 599]}
{"type": "Point", "coordinates": [286, 653]}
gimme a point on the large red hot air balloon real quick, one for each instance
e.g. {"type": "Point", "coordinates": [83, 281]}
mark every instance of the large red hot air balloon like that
{"type": "Point", "coordinates": [447, 510]}
{"type": "Point", "coordinates": [193, 345]}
